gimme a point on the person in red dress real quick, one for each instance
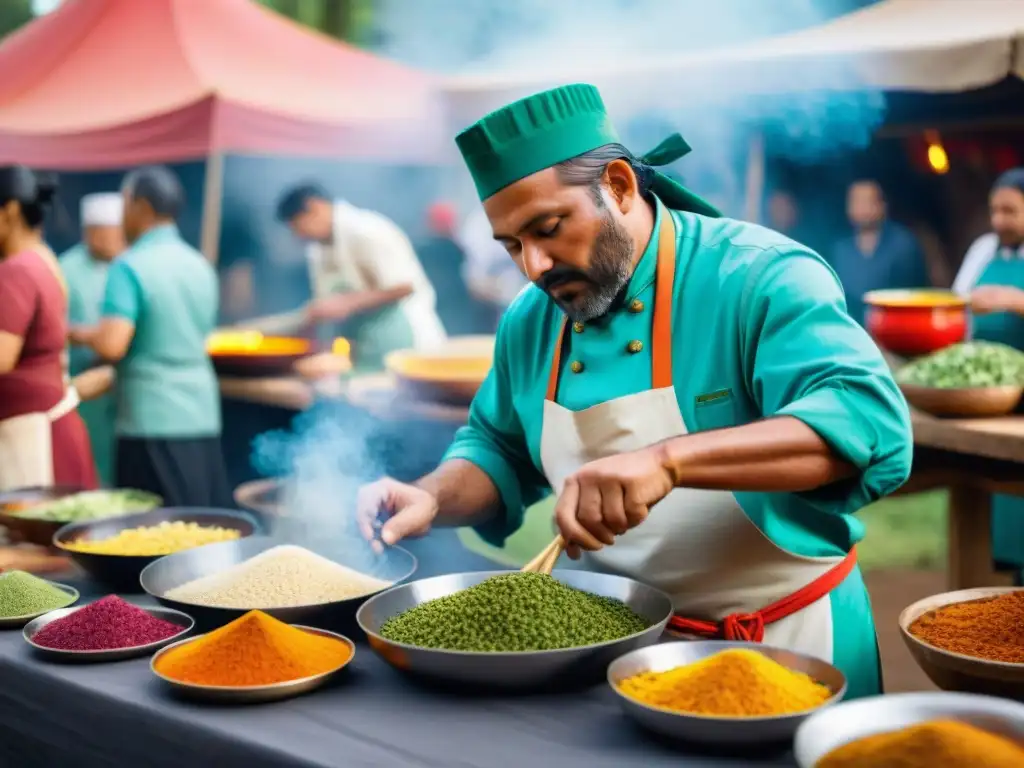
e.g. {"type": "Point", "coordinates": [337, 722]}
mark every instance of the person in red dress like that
{"type": "Point", "coordinates": [42, 439]}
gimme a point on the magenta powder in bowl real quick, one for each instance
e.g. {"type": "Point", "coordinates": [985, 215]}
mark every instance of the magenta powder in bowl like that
{"type": "Point", "coordinates": [108, 624]}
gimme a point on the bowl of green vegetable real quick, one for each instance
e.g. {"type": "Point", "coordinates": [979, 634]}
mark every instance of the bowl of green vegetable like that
{"type": "Point", "coordinates": [34, 515]}
{"type": "Point", "coordinates": [974, 379]}
{"type": "Point", "coordinates": [512, 630]}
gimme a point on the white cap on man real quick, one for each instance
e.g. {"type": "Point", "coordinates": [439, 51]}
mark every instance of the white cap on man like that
{"type": "Point", "coordinates": [103, 209]}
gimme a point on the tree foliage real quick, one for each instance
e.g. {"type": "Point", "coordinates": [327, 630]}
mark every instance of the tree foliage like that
{"type": "Point", "coordinates": [348, 20]}
{"type": "Point", "coordinates": [14, 13]}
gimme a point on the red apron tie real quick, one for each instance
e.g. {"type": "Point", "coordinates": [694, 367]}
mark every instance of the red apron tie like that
{"type": "Point", "coordinates": [749, 627]}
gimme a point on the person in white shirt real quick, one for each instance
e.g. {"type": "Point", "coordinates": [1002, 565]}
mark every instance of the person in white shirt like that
{"type": "Point", "coordinates": [364, 274]}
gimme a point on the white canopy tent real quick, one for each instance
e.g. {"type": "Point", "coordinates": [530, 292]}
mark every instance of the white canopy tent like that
{"type": "Point", "coordinates": [913, 45]}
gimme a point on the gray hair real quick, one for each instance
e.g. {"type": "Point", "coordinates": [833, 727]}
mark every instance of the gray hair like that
{"type": "Point", "coordinates": [158, 186]}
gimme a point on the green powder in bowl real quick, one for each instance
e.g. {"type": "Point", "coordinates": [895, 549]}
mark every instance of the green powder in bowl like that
{"type": "Point", "coordinates": [22, 594]}
{"type": "Point", "coordinates": [514, 612]}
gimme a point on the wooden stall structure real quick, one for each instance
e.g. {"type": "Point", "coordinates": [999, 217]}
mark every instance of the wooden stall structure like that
{"type": "Point", "coordinates": [974, 459]}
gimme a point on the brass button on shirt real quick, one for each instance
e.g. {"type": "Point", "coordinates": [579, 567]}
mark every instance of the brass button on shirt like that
{"type": "Point", "coordinates": [759, 329]}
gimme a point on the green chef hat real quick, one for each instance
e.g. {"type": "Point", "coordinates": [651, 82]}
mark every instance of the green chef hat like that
{"type": "Point", "coordinates": [548, 128]}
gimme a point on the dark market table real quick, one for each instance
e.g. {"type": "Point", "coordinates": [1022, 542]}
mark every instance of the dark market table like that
{"type": "Point", "coordinates": [98, 716]}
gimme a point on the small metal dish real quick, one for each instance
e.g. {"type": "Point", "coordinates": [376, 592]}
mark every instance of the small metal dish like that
{"type": "Point", "coordinates": [955, 671]}
{"type": "Point", "coordinates": [707, 729]}
{"type": "Point", "coordinates": [394, 565]}
{"type": "Point", "coordinates": [115, 654]}
{"type": "Point", "coordinates": [17, 622]}
{"type": "Point", "coordinates": [253, 694]}
{"type": "Point", "coordinates": [523, 670]}
{"type": "Point", "coordinates": [26, 529]}
{"type": "Point", "coordinates": [830, 729]}
{"type": "Point", "coordinates": [120, 573]}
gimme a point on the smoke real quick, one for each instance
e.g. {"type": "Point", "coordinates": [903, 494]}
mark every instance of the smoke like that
{"type": "Point", "coordinates": [548, 43]}
{"type": "Point", "coordinates": [324, 458]}
{"type": "Point", "coordinates": [327, 456]}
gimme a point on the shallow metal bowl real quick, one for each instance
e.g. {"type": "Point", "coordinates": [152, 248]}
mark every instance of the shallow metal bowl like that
{"type": "Point", "coordinates": [954, 671]}
{"type": "Point", "coordinates": [254, 694]}
{"type": "Point", "coordinates": [707, 729]}
{"type": "Point", "coordinates": [121, 572]}
{"type": "Point", "coordinates": [266, 497]}
{"type": "Point", "coordinates": [25, 528]}
{"type": "Point", "coordinates": [115, 654]}
{"type": "Point", "coordinates": [831, 728]}
{"type": "Point", "coordinates": [16, 622]}
{"type": "Point", "coordinates": [514, 670]}
{"type": "Point", "coordinates": [393, 565]}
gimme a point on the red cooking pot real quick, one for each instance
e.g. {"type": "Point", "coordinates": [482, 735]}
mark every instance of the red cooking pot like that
{"type": "Point", "coordinates": [915, 322]}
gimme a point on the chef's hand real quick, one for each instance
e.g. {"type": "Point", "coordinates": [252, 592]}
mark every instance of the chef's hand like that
{"type": "Point", "coordinates": [405, 510]}
{"type": "Point", "coordinates": [997, 298]}
{"type": "Point", "coordinates": [607, 497]}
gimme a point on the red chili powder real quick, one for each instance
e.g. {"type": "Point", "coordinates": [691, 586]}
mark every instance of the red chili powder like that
{"type": "Point", "coordinates": [107, 624]}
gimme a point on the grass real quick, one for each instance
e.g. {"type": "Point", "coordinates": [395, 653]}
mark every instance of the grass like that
{"type": "Point", "coordinates": [902, 532]}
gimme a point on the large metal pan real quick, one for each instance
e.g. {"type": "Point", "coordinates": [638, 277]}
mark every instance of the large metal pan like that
{"type": "Point", "coordinates": [519, 670]}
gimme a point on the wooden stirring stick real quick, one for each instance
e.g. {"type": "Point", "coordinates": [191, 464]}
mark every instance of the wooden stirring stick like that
{"type": "Point", "coordinates": [545, 561]}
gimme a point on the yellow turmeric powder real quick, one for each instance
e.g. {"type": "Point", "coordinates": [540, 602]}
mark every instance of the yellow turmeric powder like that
{"type": "Point", "coordinates": [945, 743]}
{"type": "Point", "coordinates": [733, 683]}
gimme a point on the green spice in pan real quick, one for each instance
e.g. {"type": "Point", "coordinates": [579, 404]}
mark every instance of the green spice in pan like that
{"type": "Point", "coordinates": [514, 612]}
{"type": "Point", "coordinates": [22, 594]}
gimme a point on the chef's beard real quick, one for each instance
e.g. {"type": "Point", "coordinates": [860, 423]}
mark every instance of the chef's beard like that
{"type": "Point", "coordinates": [609, 272]}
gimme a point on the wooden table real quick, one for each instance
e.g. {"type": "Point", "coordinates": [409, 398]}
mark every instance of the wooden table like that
{"type": "Point", "coordinates": [973, 458]}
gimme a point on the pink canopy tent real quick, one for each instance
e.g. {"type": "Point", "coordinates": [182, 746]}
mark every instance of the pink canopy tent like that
{"type": "Point", "coordinates": [102, 84]}
{"type": "Point", "coordinates": [112, 83]}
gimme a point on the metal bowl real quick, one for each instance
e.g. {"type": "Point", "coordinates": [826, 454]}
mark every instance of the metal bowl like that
{"type": "Point", "coordinates": [513, 670]}
{"type": "Point", "coordinates": [450, 377]}
{"type": "Point", "coordinates": [955, 671]}
{"type": "Point", "coordinates": [708, 729]}
{"type": "Point", "coordinates": [121, 572]}
{"type": "Point", "coordinates": [393, 565]}
{"type": "Point", "coordinates": [970, 402]}
{"type": "Point", "coordinates": [254, 694]}
{"type": "Point", "coordinates": [26, 529]}
{"type": "Point", "coordinates": [16, 622]}
{"type": "Point", "coordinates": [266, 497]}
{"type": "Point", "coordinates": [116, 654]}
{"type": "Point", "coordinates": [831, 728]}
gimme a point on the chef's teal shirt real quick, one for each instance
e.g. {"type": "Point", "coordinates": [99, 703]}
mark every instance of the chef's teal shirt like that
{"type": "Point", "coordinates": [760, 329]}
{"type": "Point", "coordinates": [166, 386]}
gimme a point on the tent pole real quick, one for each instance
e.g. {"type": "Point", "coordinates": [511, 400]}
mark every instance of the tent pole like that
{"type": "Point", "coordinates": [754, 203]}
{"type": "Point", "coordinates": [213, 193]}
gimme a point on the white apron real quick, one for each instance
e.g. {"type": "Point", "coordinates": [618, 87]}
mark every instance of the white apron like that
{"type": "Point", "coordinates": [26, 445]}
{"type": "Point", "coordinates": [696, 545]}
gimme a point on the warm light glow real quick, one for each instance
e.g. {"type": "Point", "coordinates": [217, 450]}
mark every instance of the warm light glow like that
{"type": "Point", "coordinates": [937, 158]}
{"type": "Point", "coordinates": [234, 341]}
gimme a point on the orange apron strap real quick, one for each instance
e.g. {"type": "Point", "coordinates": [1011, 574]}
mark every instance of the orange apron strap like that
{"type": "Point", "coordinates": [661, 336]}
{"type": "Point", "coordinates": [664, 288]}
{"type": "Point", "coordinates": [556, 362]}
{"type": "Point", "coordinates": [750, 626]}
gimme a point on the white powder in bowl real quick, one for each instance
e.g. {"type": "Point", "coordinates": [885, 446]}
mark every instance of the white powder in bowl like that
{"type": "Point", "coordinates": [282, 577]}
